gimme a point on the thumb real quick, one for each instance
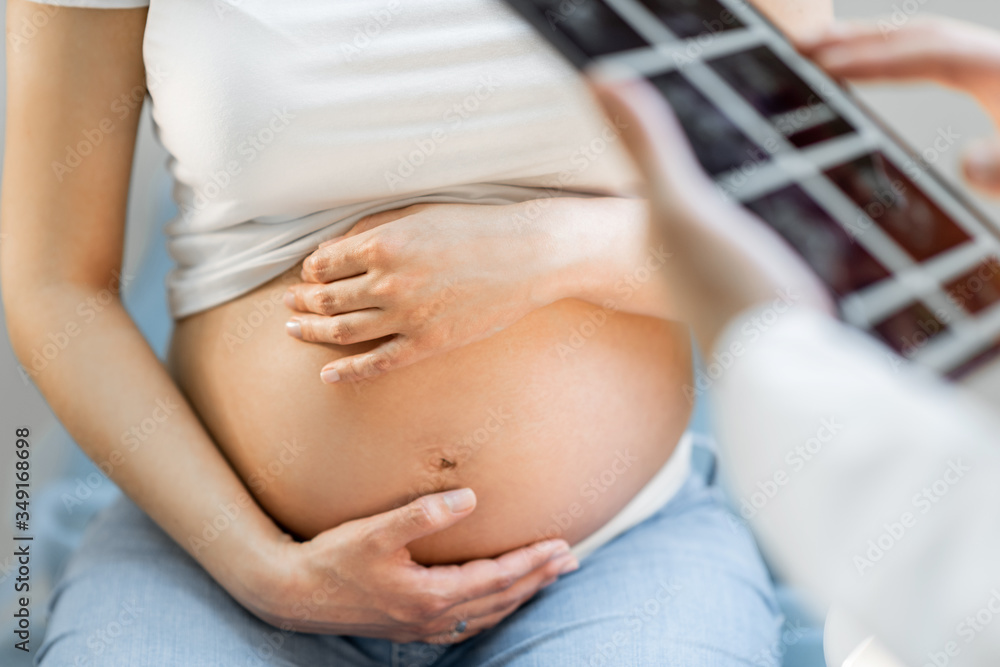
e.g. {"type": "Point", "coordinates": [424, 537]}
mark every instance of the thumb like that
{"type": "Point", "coordinates": [426, 515]}
{"type": "Point", "coordinates": [652, 134]}
{"type": "Point", "coordinates": [982, 166]}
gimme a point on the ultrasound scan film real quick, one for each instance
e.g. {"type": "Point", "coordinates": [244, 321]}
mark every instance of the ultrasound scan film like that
{"type": "Point", "coordinates": [908, 259]}
{"type": "Point", "coordinates": [845, 266]}
{"type": "Point", "coordinates": [718, 144]}
{"type": "Point", "coordinates": [691, 18]}
{"type": "Point", "coordinates": [894, 203]}
{"type": "Point", "coordinates": [593, 27]}
{"type": "Point", "coordinates": [781, 96]}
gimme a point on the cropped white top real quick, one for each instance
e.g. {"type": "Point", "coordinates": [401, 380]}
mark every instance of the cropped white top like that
{"type": "Point", "coordinates": [287, 121]}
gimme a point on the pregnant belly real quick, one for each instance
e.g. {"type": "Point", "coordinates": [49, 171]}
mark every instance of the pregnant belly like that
{"type": "Point", "coordinates": [555, 422]}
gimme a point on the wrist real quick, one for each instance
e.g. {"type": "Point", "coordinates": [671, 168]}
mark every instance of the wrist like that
{"type": "Point", "coordinates": [251, 562]}
{"type": "Point", "coordinates": [590, 243]}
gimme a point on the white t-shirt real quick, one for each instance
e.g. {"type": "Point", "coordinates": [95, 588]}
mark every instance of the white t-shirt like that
{"type": "Point", "coordinates": [287, 121]}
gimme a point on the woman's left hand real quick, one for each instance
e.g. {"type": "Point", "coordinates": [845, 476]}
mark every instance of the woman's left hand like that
{"type": "Point", "coordinates": [435, 277]}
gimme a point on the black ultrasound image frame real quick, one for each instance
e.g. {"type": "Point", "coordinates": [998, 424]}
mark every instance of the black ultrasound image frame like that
{"type": "Point", "coordinates": [700, 120]}
{"type": "Point", "coordinates": [845, 115]}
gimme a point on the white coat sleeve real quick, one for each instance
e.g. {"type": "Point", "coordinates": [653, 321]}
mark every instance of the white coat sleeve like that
{"type": "Point", "coordinates": [869, 483]}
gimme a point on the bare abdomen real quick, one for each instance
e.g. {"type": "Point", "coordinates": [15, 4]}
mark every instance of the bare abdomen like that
{"type": "Point", "coordinates": [571, 408]}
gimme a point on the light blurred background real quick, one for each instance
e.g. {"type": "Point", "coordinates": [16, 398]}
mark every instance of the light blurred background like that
{"type": "Point", "coordinates": [916, 112]}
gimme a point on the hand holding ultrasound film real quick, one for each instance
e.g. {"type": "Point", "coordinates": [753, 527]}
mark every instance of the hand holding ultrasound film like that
{"type": "Point", "coordinates": [892, 243]}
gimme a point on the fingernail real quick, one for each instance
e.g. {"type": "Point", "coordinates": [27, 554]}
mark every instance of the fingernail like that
{"type": "Point", "coordinates": [980, 163]}
{"type": "Point", "coordinates": [293, 328]}
{"type": "Point", "coordinates": [460, 500]}
{"type": "Point", "coordinates": [290, 300]}
{"type": "Point", "coordinates": [571, 566]}
{"type": "Point", "coordinates": [329, 376]}
{"type": "Point", "coordinates": [557, 547]}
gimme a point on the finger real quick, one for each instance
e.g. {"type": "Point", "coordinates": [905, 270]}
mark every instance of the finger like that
{"type": "Point", "coordinates": [560, 563]}
{"type": "Point", "coordinates": [838, 32]}
{"type": "Point", "coordinates": [936, 49]}
{"type": "Point", "coordinates": [387, 533]}
{"type": "Point", "coordinates": [382, 217]}
{"type": "Point", "coordinates": [981, 165]}
{"type": "Point", "coordinates": [484, 613]}
{"type": "Point", "coordinates": [488, 576]}
{"type": "Point", "coordinates": [390, 355]}
{"type": "Point", "coordinates": [345, 329]}
{"type": "Point", "coordinates": [473, 627]}
{"type": "Point", "coordinates": [654, 136]}
{"type": "Point", "coordinates": [875, 59]}
{"type": "Point", "coordinates": [330, 242]}
{"type": "Point", "coordinates": [336, 261]}
{"type": "Point", "coordinates": [341, 296]}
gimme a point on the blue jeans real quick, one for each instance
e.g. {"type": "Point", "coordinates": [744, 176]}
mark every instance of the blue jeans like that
{"type": "Point", "coordinates": [685, 588]}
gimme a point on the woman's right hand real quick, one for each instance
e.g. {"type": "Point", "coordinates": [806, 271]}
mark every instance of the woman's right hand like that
{"type": "Point", "coordinates": [358, 578]}
{"type": "Point", "coordinates": [952, 53]}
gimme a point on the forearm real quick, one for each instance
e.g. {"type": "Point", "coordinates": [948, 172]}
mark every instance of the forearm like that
{"type": "Point", "coordinates": [107, 387]}
{"type": "Point", "coordinates": [797, 17]}
{"type": "Point", "coordinates": [606, 256]}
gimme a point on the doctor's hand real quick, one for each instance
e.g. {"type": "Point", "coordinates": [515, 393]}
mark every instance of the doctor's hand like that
{"type": "Point", "coordinates": [725, 260]}
{"type": "Point", "coordinates": [952, 53]}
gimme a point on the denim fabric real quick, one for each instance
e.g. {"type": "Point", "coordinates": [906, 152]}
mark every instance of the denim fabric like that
{"type": "Point", "coordinates": [685, 588]}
